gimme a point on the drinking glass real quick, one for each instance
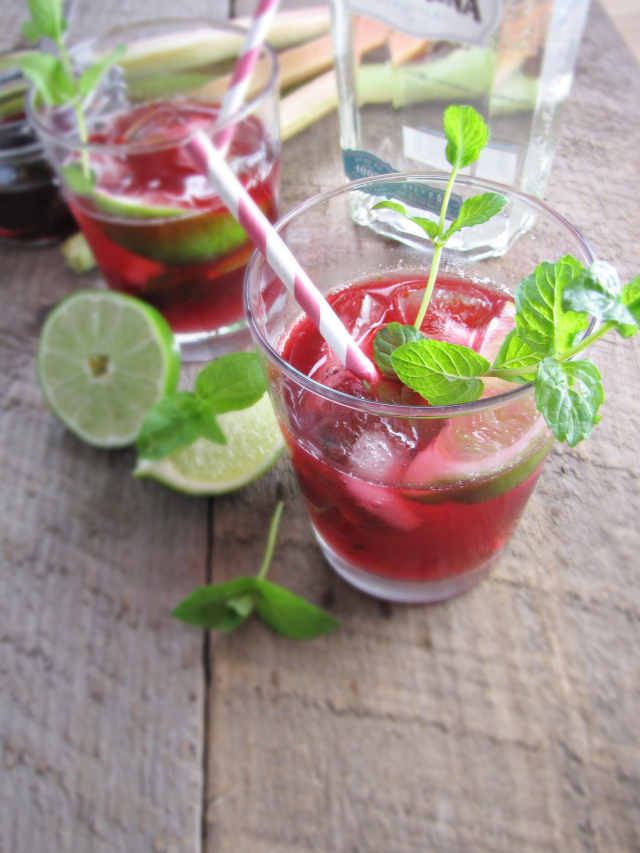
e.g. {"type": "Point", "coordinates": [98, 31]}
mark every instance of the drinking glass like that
{"type": "Point", "coordinates": [156, 227]}
{"type": "Point", "coordinates": [408, 502]}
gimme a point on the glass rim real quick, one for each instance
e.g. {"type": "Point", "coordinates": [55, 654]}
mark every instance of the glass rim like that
{"type": "Point", "coordinates": [247, 108]}
{"type": "Point", "coordinates": [373, 406]}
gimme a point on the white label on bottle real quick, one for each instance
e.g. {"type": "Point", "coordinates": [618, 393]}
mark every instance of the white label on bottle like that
{"type": "Point", "coordinates": [471, 21]}
{"type": "Point", "coordinates": [496, 163]}
{"type": "Point", "coordinates": [427, 148]}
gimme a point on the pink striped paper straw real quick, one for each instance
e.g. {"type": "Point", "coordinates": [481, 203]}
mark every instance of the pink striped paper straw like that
{"type": "Point", "coordinates": [241, 76]}
{"type": "Point", "coordinates": [269, 243]}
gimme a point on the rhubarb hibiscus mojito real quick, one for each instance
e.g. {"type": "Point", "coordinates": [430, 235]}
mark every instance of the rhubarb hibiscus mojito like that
{"type": "Point", "coordinates": [157, 229]}
{"type": "Point", "coordinates": [409, 501]}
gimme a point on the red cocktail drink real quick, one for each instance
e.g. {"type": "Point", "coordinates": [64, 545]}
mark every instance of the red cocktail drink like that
{"type": "Point", "coordinates": [446, 493]}
{"type": "Point", "coordinates": [157, 229]}
{"type": "Point", "coordinates": [408, 501]}
{"type": "Point", "coordinates": [173, 244]}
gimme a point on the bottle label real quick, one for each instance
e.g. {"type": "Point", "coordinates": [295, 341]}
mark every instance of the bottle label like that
{"type": "Point", "coordinates": [364, 164]}
{"type": "Point", "coordinates": [470, 21]}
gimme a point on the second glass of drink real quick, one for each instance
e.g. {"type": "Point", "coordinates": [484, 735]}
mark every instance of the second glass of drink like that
{"type": "Point", "coordinates": [157, 229]}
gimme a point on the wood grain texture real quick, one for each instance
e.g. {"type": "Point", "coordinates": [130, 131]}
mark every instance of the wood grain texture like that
{"type": "Point", "coordinates": [503, 720]}
{"type": "Point", "coordinates": [101, 696]}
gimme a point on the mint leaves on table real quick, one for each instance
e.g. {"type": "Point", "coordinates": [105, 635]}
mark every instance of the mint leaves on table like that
{"type": "Point", "coordinates": [553, 305]}
{"type": "Point", "coordinates": [227, 605]}
{"type": "Point", "coordinates": [53, 76]}
{"type": "Point", "coordinates": [230, 383]}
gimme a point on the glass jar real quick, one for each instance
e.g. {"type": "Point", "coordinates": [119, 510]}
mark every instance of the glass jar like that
{"type": "Point", "coordinates": [32, 211]}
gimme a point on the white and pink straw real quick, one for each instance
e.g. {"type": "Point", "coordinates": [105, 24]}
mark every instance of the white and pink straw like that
{"type": "Point", "coordinates": [211, 162]}
{"type": "Point", "coordinates": [234, 97]}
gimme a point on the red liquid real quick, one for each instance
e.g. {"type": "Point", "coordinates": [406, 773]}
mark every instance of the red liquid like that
{"type": "Point", "coordinates": [402, 497]}
{"type": "Point", "coordinates": [189, 265]}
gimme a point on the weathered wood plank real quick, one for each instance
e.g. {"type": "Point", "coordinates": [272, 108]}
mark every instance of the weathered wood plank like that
{"type": "Point", "coordinates": [505, 719]}
{"type": "Point", "coordinates": [101, 703]}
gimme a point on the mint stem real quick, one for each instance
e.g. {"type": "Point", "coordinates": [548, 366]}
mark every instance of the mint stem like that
{"type": "Point", "coordinates": [271, 541]}
{"type": "Point", "coordinates": [439, 246]}
{"type": "Point", "coordinates": [511, 373]}
{"type": "Point", "coordinates": [583, 344]}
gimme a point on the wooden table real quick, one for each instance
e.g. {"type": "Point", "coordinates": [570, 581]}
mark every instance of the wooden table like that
{"type": "Point", "coordinates": [507, 719]}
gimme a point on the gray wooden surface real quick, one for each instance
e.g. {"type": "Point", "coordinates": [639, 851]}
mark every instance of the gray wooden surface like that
{"type": "Point", "coordinates": [507, 719]}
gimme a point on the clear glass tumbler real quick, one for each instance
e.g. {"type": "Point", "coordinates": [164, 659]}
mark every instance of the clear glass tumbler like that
{"type": "Point", "coordinates": [408, 502]}
{"type": "Point", "coordinates": [156, 227]}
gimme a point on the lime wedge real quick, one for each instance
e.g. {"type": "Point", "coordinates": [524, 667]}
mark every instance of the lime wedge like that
{"type": "Point", "coordinates": [254, 442]}
{"type": "Point", "coordinates": [481, 456]}
{"type": "Point", "coordinates": [103, 360]}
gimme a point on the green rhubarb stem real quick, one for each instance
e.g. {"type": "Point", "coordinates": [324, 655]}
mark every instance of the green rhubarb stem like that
{"type": "Point", "coordinates": [439, 244]}
{"type": "Point", "coordinates": [271, 541]}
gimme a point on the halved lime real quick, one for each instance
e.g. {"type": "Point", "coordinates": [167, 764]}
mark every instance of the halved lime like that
{"type": "Point", "coordinates": [254, 442]}
{"type": "Point", "coordinates": [103, 360]}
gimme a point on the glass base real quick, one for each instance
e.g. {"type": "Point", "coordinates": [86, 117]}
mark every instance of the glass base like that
{"type": "Point", "coordinates": [205, 346]}
{"type": "Point", "coordinates": [404, 592]}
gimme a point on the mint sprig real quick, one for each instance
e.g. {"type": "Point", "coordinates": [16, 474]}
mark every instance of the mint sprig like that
{"type": "Point", "coordinates": [553, 306]}
{"type": "Point", "coordinates": [228, 605]}
{"type": "Point", "coordinates": [53, 76]}
{"type": "Point", "coordinates": [229, 383]}
{"type": "Point", "coordinates": [467, 135]}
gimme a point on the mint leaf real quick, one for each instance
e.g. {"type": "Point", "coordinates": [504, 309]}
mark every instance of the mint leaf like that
{"type": "Point", "coordinates": [540, 319]}
{"type": "Point", "coordinates": [232, 382]}
{"type": "Point", "coordinates": [387, 340]}
{"type": "Point", "coordinates": [78, 180]}
{"type": "Point", "coordinates": [216, 606]}
{"type": "Point", "coordinates": [467, 135]}
{"type": "Point", "coordinates": [30, 31]}
{"type": "Point", "coordinates": [515, 354]}
{"type": "Point", "coordinates": [290, 615]}
{"type": "Point", "coordinates": [442, 373]}
{"type": "Point", "coordinates": [92, 76]}
{"type": "Point", "coordinates": [630, 297]}
{"type": "Point", "coordinates": [177, 421]}
{"type": "Point", "coordinates": [476, 210]}
{"type": "Point", "coordinates": [47, 73]}
{"type": "Point", "coordinates": [598, 290]}
{"type": "Point", "coordinates": [47, 18]}
{"type": "Point", "coordinates": [429, 227]}
{"type": "Point", "coordinates": [569, 395]}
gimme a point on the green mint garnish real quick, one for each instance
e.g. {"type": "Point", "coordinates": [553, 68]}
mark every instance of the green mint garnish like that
{"type": "Point", "coordinates": [515, 354]}
{"type": "Point", "coordinates": [53, 76]}
{"type": "Point", "coordinates": [227, 605]}
{"type": "Point", "coordinates": [599, 291]}
{"type": "Point", "coordinates": [467, 135]}
{"type": "Point", "coordinates": [388, 340]}
{"type": "Point", "coordinates": [442, 373]}
{"type": "Point", "coordinates": [553, 305]}
{"type": "Point", "coordinates": [541, 320]}
{"type": "Point", "coordinates": [569, 395]}
{"type": "Point", "coordinates": [228, 384]}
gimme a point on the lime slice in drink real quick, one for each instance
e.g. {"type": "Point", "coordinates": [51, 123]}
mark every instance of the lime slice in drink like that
{"type": "Point", "coordinates": [103, 360]}
{"type": "Point", "coordinates": [254, 442]}
{"type": "Point", "coordinates": [169, 235]}
{"type": "Point", "coordinates": [481, 456]}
